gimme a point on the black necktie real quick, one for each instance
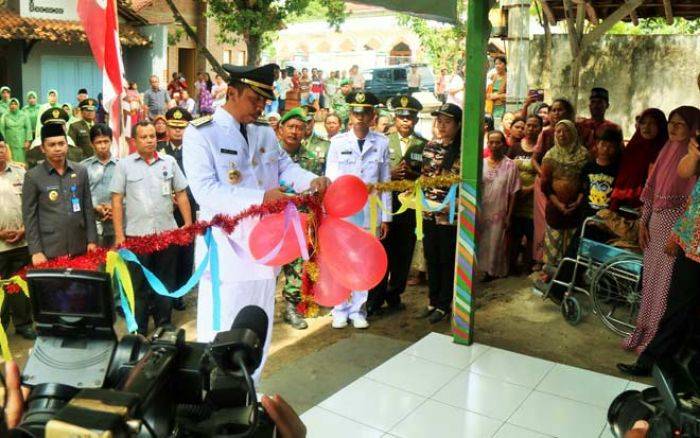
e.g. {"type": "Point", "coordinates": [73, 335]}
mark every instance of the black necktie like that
{"type": "Point", "coordinates": [360, 143]}
{"type": "Point", "coordinates": [244, 133]}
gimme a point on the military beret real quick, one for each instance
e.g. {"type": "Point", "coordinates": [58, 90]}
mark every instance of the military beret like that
{"type": "Point", "coordinates": [54, 115]}
{"type": "Point", "coordinates": [360, 101]}
{"type": "Point", "coordinates": [404, 105]}
{"type": "Point", "coordinates": [260, 79]}
{"type": "Point", "coordinates": [178, 117]}
{"type": "Point", "coordinates": [88, 104]}
{"type": "Point", "coordinates": [296, 113]}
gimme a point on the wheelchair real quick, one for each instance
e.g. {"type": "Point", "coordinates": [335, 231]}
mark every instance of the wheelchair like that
{"type": "Point", "coordinates": [606, 281]}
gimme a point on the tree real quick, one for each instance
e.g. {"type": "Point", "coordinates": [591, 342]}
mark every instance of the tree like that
{"type": "Point", "coordinates": [255, 21]}
{"type": "Point", "coordinates": [444, 43]}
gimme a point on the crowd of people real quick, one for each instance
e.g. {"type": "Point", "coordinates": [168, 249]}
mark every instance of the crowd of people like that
{"type": "Point", "coordinates": [544, 173]}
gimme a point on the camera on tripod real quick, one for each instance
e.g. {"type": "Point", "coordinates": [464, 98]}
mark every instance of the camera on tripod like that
{"type": "Point", "coordinates": [85, 382]}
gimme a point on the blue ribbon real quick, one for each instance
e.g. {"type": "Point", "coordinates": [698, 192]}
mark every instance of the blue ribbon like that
{"type": "Point", "coordinates": [450, 199]}
{"type": "Point", "coordinates": [211, 257]}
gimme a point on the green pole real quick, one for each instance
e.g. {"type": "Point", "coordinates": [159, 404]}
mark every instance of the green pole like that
{"type": "Point", "coordinates": [478, 31]}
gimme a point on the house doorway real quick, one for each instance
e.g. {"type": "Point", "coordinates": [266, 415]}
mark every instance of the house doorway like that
{"type": "Point", "coordinates": [186, 61]}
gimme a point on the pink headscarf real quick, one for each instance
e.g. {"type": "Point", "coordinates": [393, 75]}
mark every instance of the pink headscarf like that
{"type": "Point", "coordinates": [664, 188]}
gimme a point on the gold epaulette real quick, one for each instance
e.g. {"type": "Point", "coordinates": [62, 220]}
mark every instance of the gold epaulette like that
{"type": "Point", "coordinates": [201, 121]}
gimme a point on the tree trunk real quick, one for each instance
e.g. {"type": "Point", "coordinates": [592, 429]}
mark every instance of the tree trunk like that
{"type": "Point", "coordinates": [193, 35]}
{"type": "Point", "coordinates": [202, 34]}
{"type": "Point", "coordinates": [254, 47]}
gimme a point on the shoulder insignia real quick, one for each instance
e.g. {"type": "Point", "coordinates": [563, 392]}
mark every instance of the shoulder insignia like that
{"type": "Point", "coordinates": [201, 121]}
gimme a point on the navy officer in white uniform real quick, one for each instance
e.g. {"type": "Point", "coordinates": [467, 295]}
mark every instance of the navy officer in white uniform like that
{"type": "Point", "coordinates": [233, 162]}
{"type": "Point", "coordinates": [365, 154]}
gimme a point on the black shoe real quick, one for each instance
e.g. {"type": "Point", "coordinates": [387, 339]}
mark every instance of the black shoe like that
{"type": "Point", "coordinates": [179, 304]}
{"type": "Point", "coordinates": [169, 327]}
{"type": "Point", "coordinates": [426, 312]}
{"type": "Point", "coordinates": [292, 318]}
{"type": "Point", "coordinates": [634, 369]}
{"type": "Point", "coordinates": [373, 311]}
{"type": "Point", "coordinates": [26, 331]}
{"type": "Point", "coordinates": [437, 316]}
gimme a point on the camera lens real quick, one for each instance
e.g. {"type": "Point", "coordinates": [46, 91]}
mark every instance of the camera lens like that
{"type": "Point", "coordinates": [43, 403]}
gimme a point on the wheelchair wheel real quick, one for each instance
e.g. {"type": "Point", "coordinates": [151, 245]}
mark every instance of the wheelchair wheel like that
{"type": "Point", "coordinates": [571, 310]}
{"type": "Point", "coordinates": [616, 292]}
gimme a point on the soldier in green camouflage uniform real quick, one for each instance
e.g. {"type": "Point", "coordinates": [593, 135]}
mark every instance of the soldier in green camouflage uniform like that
{"type": "Point", "coordinates": [53, 115]}
{"type": "Point", "coordinates": [313, 144]}
{"type": "Point", "coordinates": [338, 103]}
{"type": "Point", "coordinates": [292, 130]}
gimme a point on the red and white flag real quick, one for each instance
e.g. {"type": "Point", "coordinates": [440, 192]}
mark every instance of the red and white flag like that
{"type": "Point", "coordinates": [101, 24]}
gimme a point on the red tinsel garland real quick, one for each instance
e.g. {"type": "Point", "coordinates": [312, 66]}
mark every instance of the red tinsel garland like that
{"type": "Point", "coordinates": [182, 236]}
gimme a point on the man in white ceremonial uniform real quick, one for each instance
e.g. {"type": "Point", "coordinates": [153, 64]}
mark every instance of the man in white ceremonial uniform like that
{"type": "Point", "coordinates": [365, 154]}
{"type": "Point", "coordinates": [233, 162]}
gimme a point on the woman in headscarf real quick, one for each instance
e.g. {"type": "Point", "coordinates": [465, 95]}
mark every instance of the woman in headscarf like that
{"type": "Point", "coordinates": [52, 102]}
{"type": "Point", "coordinates": [664, 197]}
{"type": "Point", "coordinates": [15, 127]}
{"type": "Point", "coordinates": [561, 109]}
{"type": "Point", "coordinates": [636, 159]}
{"type": "Point", "coordinates": [31, 109]}
{"type": "Point", "coordinates": [561, 183]}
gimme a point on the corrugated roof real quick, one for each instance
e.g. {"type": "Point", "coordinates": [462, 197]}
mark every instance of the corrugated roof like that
{"type": "Point", "coordinates": [689, 9]}
{"type": "Point", "coordinates": [14, 27]}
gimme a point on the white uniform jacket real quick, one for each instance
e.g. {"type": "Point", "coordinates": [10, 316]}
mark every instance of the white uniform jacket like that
{"type": "Point", "coordinates": [372, 164]}
{"type": "Point", "coordinates": [228, 175]}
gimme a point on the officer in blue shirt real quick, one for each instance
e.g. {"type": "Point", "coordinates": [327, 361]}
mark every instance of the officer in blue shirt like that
{"type": "Point", "coordinates": [233, 162]}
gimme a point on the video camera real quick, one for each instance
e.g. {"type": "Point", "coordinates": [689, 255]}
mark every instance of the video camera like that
{"type": "Point", "coordinates": [672, 407]}
{"type": "Point", "coordinates": [84, 382]}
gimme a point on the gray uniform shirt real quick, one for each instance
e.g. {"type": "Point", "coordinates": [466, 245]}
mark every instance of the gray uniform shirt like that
{"type": "Point", "coordinates": [100, 181]}
{"type": "Point", "coordinates": [148, 190]}
{"type": "Point", "coordinates": [57, 210]}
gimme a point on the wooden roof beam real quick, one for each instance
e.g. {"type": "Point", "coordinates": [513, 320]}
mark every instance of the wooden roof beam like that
{"type": "Point", "coordinates": [668, 10]}
{"type": "Point", "coordinates": [620, 13]}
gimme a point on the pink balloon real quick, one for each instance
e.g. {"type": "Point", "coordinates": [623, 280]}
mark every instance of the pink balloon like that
{"type": "Point", "coordinates": [345, 196]}
{"type": "Point", "coordinates": [268, 233]}
{"type": "Point", "coordinates": [355, 258]}
{"type": "Point", "coordinates": [327, 291]}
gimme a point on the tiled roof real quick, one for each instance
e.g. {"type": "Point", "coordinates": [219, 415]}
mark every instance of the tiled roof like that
{"type": "Point", "coordinates": [14, 27]}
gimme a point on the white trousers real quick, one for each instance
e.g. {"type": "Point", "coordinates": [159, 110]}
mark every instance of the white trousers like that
{"type": "Point", "coordinates": [235, 296]}
{"type": "Point", "coordinates": [354, 306]}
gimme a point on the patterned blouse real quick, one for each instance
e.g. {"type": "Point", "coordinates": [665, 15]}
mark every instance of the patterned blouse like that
{"type": "Point", "coordinates": [686, 232]}
{"type": "Point", "coordinates": [436, 161]}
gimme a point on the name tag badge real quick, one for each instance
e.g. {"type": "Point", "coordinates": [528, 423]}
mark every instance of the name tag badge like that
{"type": "Point", "coordinates": [346, 152]}
{"type": "Point", "coordinates": [229, 151]}
{"type": "Point", "coordinates": [75, 202]}
{"type": "Point", "coordinates": [165, 188]}
{"type": "Point", "coordinates": [417, 157]}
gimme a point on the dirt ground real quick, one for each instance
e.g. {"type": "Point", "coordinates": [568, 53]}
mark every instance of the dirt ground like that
{"type": "Point", "coordinates": [508, 316]}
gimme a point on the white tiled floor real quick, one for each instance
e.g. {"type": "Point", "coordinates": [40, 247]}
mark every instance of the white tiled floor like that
{"type": "Point", "coordinates": [438, 389]}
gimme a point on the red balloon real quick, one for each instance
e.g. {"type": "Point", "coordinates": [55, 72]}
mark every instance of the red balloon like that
{"type": "Point", "coordinates": [355, 258]}
{"type": "Point", "coordinates": [327, 291]}
{"type": "Point", "coordinates": [268, 233]}
{"type": "Point", "coordinates": [345, 196]}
